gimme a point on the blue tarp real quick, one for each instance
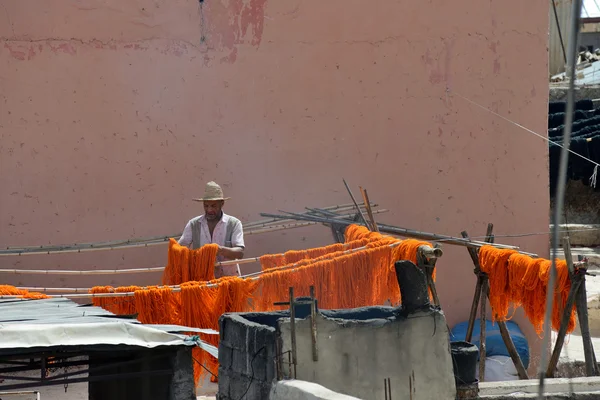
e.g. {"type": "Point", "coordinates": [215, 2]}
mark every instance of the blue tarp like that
{"type": "Point", "coordinates": [493, 340]}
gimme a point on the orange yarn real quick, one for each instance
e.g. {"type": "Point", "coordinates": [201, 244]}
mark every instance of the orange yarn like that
{"type": "Point", "coordinates": [7, 290]}
{"type": "Point", "coordinates": [494, 262]}
{"type": "Point", "coordinates": [361, 278]}
{"type": "Point", "coordinates": [406, 250]}
{"type": "Point", "coordinates": [184, 265]}
{"type": "Point", "coordinates": [523, 281]}
{"type": "Point", "coordinates": [269, 261]}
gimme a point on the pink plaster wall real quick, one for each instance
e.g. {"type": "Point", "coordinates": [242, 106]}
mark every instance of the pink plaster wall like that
{"type": "Point", "coordinates": [113, 115]}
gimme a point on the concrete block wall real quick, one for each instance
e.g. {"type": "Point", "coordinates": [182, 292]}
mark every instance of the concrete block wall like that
{"type": "Point", "coordinates": [355, 355]}
{"type": "Point", "coordinates": [247, 355]}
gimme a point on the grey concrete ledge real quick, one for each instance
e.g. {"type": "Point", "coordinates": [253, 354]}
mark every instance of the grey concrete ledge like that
{"type": "Point", "coordinates": [522, 388]}
{"type": "Point", "coordinates": [581, 234]}
{"type": "Point", "coordinates": [302, 390]}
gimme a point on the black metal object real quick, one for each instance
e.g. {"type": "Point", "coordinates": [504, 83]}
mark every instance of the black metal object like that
{"type": "Point", "coordinates": [464, 361]}
{"type": "Point", "coordinates": [413, 286]}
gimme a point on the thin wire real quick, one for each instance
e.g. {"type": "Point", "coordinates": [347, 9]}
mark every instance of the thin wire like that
{"type": "Point", "coordinates": [521, 126]}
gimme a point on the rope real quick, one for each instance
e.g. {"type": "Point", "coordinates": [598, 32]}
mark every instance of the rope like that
{"type": "Point", "coordinates": [596, 165]}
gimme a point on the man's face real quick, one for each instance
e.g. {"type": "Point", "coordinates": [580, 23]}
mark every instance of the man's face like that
{"type": "Point", "coordinates": [212, 209]}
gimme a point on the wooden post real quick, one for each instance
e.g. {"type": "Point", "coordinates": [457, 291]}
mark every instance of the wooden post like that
{"type": "Point", "coordinates": [489, 238]}
{"type": "Point", "coordinates": [477, 295]}
{"type": "Point", "coordinates": [313, 323]}
{"type": "Point", "coordinates": [427, 267]}
{"type": "Point", "coordinates": [575, 285]}
{"type": "Point", "coordinates": [482, 338]}
{"type": "Point", "coordinates": [365, 196]}
{"type": "Point", "coordinates": [293, 329]}
{"type": "Point", "coordinates": [591, 368]}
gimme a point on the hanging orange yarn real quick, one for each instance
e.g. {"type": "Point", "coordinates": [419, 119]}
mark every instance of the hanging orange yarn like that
{"type": "Point", "coordinates": [494, 262]}
{"type": "Point", "coordinates": [523, 281]}
{"type": "Point", "coordinates": [269, 261]}
{"type": "Point", "coordinates": [7, 290]}
{"type": "Point", "coordinates": [406, 250]}
{"type": "Point", "coordinates": [184, 265]}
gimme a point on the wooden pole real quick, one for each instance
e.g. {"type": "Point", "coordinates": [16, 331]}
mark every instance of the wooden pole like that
{"type": "Point", "coordinates": [249, 229]}
{"type": "Point", "coordinates": [489, 238]}
{"type": "Point", "coordinates": [591, 367]}
{"type": "Point", "coordinates": [356, 205]}
{"type": "Point", "coordinates": [402, 232]}
{"type": "Point", "coordinates": [369, 210]}
{"type": "Point", "coordinates": [575, 285]}
{"type": "Point", "coordinates": [424, 251]}
{"type": "Point", "coordinates": [293, 329]}
{"type": "Point", "coordinates": [511, 347]}
{"type": "Point", "coordinates": [482, 337]}
{"type": "Point", "coordinates": [427, 266]}
{"type": "Point", "coordinates": [477, 294]}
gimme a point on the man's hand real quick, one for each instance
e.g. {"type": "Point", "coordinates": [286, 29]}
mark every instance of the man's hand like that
{"type": "Point", "coordinates": [231, 253]}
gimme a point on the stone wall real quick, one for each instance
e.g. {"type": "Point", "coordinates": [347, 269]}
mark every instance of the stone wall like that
{"type": "Point", "coordinates": [246, 358]}
{"type": "Point", "coordinates": [355, 355]}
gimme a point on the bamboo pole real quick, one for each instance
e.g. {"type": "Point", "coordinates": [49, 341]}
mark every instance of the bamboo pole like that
{"type": "Point", "coordinates": [14, 252]}
{"type": "Point", "coordinates": [397, 231]}
{"type": "Point", "coordinates": [249, 260]}
{"type": "Point", "coordinates": [154, 239]}
{"type": "Point", "coordinates": [425, 251]}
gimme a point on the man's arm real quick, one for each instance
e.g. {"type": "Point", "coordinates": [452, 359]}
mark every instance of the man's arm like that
{"type": "Point", "coordinates": [186, 237]}
{"type": "Point", "coordinates": [236, 251]}
{"type": "Point", "coordinates": [231, 253]}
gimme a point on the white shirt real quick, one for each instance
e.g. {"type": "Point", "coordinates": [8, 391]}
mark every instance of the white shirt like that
{"type": "Point", "coordinates": [218, 236]}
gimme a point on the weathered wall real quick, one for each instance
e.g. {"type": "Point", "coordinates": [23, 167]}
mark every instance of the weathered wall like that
{"type": "Point", "coordinates": [247, 356]}
{"type": "Point", "coordinates": [115, 113]}
{"type": "Point", "coordinates": [355, 356]}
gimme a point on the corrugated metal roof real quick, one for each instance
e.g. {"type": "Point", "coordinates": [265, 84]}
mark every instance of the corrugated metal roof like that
{"type": "Point", "coordinates": [62, 322]}
{"type": "Point", "coordinates": [590, 9]}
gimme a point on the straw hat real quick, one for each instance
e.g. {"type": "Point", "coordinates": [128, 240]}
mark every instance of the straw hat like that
{"type": "Point", "coordinates": [212, 192]}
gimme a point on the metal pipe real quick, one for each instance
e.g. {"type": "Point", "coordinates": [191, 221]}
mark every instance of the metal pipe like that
{"type": "Point", "coordinates": [561, 185]}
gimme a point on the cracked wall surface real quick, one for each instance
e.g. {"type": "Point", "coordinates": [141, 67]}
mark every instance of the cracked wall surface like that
{"type": "Point", "coordinates": [115, 113]}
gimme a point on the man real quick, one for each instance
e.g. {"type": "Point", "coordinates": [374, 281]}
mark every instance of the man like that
{"type": "Point", "coordinates": [214, 226]}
